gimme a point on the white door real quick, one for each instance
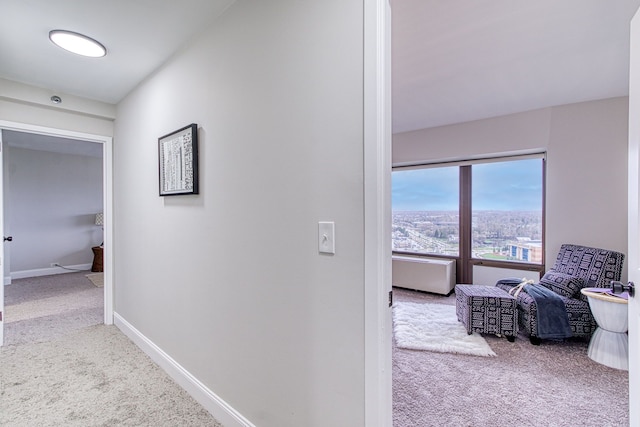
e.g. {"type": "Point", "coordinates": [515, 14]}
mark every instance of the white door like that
{"type": "Point", "coordinates": [633, 262]}
{"type": "Point", "coordinates": [2, 269]}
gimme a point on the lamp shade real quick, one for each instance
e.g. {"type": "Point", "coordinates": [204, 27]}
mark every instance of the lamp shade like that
{"type": "Point", "coordinates": [100, 218]}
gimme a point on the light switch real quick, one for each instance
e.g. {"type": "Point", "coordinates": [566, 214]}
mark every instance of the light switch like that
{"type": "Point", "coordinates": [326, 237]}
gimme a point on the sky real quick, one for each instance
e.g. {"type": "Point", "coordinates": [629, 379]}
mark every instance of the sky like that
{"type": "Point", "coordinates": [513, 185]}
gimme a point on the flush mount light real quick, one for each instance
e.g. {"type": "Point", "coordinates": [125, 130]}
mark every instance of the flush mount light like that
{"type": "Point", "coordinates": [77, 43]}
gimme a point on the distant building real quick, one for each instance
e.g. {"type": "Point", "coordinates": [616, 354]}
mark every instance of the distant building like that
{"type": "Point", "coordinates": [526, 250]}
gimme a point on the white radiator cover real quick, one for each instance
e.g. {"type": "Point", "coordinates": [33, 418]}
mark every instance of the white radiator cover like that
{"type": "Point", "coordinates": [424, 274]}
{"type": "Point", "coordinates": [483, 275]}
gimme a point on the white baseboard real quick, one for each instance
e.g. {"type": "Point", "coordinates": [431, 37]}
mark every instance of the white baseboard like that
{"type": "Point", "coordinates": [7, 280]}
{"type": "Point", "coordinates": [217, 407]}
{"type": "Point", "coordinates": [48, 271]}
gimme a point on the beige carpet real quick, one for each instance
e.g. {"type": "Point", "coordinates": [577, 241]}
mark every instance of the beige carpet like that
{"type": "Point", "coordinates": [42, 308]}
{"type": "Point", "coordinates": [553, 384]}
{"type": "Point", "coordinates": [61, 367]}
{"type": "Point", "coordinates": [97, 279]}
{"type": "Point", "coordinates": [94, 377]}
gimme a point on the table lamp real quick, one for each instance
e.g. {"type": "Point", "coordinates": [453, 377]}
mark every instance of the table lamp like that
{"type": "Point", "coordinates": [100, 222]}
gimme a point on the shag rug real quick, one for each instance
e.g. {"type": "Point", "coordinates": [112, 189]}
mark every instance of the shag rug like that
{"type": "Point", "coordinates": [435, 327]}
{"type": "Point", "coordinates": [97, 279]}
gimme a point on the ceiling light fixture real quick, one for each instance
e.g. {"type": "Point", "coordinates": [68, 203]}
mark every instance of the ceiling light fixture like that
{"type": "Point", "coordinates": [77, 43]}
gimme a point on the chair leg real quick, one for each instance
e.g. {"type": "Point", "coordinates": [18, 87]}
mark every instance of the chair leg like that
{"type": "Point", "coordinates": [534, 340]}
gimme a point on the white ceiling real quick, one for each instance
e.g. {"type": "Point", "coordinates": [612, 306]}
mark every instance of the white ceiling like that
{"type": "Point", "coordinates": [140, 35]}
{"type": "Point", "coordinates": [456, 61]}
{"type": "Point", "coordinates": [453, 60]}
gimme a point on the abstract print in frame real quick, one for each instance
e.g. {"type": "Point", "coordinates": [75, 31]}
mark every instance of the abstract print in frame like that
{"type": "Point", "coordinates": [178, 161]}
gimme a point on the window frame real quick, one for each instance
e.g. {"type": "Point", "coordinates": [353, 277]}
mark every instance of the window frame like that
{"type": "Point", "coordinates": [465, 261]}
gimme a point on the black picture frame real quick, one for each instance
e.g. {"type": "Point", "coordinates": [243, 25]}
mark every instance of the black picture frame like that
{"type": "Point", "coordinates": [178, 161]}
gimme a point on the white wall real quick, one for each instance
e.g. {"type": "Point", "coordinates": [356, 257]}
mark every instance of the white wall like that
{"type": "Point", "coordinates": [32, 105]}
{"type": "Point", "coordinates": [229, 283]}
{"type": "Point", "coordinates": [50, 204]}
{"type": "Point", "coordinates": [586, 145]}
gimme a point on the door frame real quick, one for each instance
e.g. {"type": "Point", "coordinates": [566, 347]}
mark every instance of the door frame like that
{"type": "Point", "coordinates": [3, 259]}
{"type": "Point", "coordinates": [634, 219]}
{"type": "Point", "coordinates": [107, 195]}
{"type": "Point", "coordinates": [377, 213]}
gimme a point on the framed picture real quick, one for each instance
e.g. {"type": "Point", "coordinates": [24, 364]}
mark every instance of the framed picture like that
{"type": "Point", "coordinates": [178, 161]}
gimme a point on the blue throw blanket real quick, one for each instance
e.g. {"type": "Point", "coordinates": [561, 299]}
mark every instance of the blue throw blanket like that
{"type": "Point", "coordinates": [553, 321]}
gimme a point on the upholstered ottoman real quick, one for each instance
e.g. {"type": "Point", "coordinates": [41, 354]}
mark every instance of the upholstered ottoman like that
{"type": "Point", "coordinates": [487, 310]}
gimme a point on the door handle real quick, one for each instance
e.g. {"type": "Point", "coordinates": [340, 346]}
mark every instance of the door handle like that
{"type": "Point", "coordinates": [619, 287]}
{"type": "Point", "coordinates": [8, 239]}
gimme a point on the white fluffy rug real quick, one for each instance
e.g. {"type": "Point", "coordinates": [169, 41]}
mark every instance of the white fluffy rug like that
{"type": "Point", "coordinates": [434, 327]}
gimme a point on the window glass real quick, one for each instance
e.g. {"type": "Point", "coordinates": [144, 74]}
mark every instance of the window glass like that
{"type": "Point", "coordinates": [506, 205]}
{"type": "Point", "coordinates": [425, 210]}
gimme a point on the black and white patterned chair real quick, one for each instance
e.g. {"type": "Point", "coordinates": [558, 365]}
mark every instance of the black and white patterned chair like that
{"type": "Point", "coordinates": [576, 267]}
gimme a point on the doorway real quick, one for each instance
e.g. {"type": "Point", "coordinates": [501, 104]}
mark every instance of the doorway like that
{"type": "Point", "coordinates": [105, 143]}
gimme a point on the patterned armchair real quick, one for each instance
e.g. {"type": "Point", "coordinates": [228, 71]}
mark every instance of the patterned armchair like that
{"type": "Point", "coordinates": [576, 267]}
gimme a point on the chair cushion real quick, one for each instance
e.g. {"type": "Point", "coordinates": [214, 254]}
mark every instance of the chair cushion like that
{"type": "Point", "coordinates": [593, 264]}
{"type": "Point", "coordinates": [562, 284]}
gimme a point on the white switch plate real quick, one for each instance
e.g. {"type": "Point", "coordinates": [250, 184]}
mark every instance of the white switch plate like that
{"type": "Point", "coordinates": [326, 237]}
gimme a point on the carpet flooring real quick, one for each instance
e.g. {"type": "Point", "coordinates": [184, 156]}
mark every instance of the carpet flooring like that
{"type": "Point", "coordinates": [554, 384]}
{"type": "Point", "coordinates": [68, 369]}
{"type": "Point", "coordinates": [43, 308]}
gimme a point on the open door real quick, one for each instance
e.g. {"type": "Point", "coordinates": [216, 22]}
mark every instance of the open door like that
{"type": "Point", "coordinates": [634, 221]}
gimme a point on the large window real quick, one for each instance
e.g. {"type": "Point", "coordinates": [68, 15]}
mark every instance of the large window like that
{"type": "Point", "coordinates": [486, 210]}
{"type": "Point", "coordinates": [426, 211]}
{"type": "Point", "coordinates": [506, 201]}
